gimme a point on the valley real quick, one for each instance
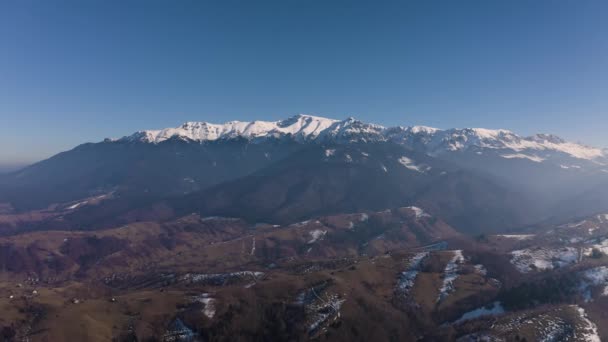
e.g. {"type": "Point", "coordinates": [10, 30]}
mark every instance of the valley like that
{"type": "Point", "coordinates": [399, 272]}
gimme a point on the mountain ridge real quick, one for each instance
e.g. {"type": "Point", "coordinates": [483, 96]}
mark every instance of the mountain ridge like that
{"type": "Point", "coordinates": [308, 128]}
{"type": "Point", "coordinates": [530, 175]}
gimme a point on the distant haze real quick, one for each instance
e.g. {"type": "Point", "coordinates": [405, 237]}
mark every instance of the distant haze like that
{"type": "Point", "coordinates": [5, 168]}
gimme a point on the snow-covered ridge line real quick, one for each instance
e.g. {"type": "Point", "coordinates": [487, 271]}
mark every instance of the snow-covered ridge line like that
{"type": "Point", "coordinates": [313, 128]}
{"type": "Point", "coordinates": [450, 274]}
{"type": "Point", "coordinates": [300, 125]}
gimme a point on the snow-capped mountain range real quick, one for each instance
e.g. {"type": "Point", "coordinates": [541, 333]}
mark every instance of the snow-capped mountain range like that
{"type": "Point", "coordinates": [308, 128]}
{"type": "Point", "coordinates": [473, 177]}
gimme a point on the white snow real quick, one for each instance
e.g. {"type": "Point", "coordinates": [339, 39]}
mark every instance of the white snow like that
{"type": "Point", "coordinates": [575, 225]}
{"type": "Point", "coordinates": [316, 235]}
{"type": "Point", "coordinates": [300, 224]}
{"type": "Point", "coordinates": [330, 152]}
{"type": "Point", "coordinates": [602, 246]}
{"type": "Point", "coordinates": [570, 166]}
{"type": "Point", "coordinates": [517, 236]}
{"type": "Point", "coordinates": [495, 310]}
{"type": "Point", "coordinates": [424, 129]}
{"type": "Point", "coordinates": [523, 156]}
{"type": "Point", "coordinates": [408, 277]}
{"type": "Point", "coordinates": [80, 204]}
{"type": "Point", "coordinates": [481, 270]}
{"type": "Point", "coordinates": [308, 127]}
{"type": "Point", "coordinates": [74, 206]}
{"type": "Point", "coordinates": [602, 218]}
{"type": "Point", "coordinates": [410, 164]}
{"type": "Point", "coordinates": [208, 304]}
{"type": "Point", "coordinates": [450, 274]}
{"type": "Point", "coordinates": [550, 325]}
{"type": "Point", "coordinates": [589, 333]}
{"type": "Point", "coordinates": [323, 310]}
{"type": "Point", "coordinates": [302, 126]}
{"type": "Point", "coordinates": [418, 212]}
{"type": "Point", "coordinates": [463, 139]}
{"type": "Point", "coordinates": [528, 260]}
{"type": "Point", "coordinates": [597, 276]}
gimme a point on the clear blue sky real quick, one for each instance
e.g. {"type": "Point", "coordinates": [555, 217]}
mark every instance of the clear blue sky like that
{"type": "Point", "coordinates": [78, 71]}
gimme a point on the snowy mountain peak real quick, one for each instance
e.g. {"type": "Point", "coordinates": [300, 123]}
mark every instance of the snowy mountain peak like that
{"type": "Point", "coordinates": [299, 126]}
{"type": "Point", "coordinates": [485, 133]}
{"type": "Point", "coordinates": [554, 139]}
{"type": "Point", "coordinates": [433, 141]}
{"type": "Point", "coordinates": [423, 129]}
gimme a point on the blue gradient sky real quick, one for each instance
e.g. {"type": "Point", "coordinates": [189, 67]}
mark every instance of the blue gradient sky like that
{"type": "Point", "coordinates": [77, 71]}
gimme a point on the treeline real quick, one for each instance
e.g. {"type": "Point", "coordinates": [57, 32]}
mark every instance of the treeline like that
{"type": "Point", "coordinates": [552, 289]}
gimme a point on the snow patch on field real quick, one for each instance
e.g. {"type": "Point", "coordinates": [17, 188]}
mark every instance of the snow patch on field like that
{"type": "Point", "coordinates": [208, 304]}
{"type": "Point", "coordinates": [574, 225]}
{"type": "Point", "coordinates": [533, 158]}
{"type": "Point", "coordinates": [410, 164]}
{"type": "Point", "coordinates": [323, 311]}
{"type": "Point", "coordinates": [602, 218]}
{"type": "Point", "coordinates": [531, 259]}
{"type": "Point", "coordinates": [589, 330]}
{"type": "Point", "coordinates": [481, 270]}
{"type": "Point", "coordinates": [517, 236]}
{"type": "Point", "coordinates": [419, 212]}
{"type": "Point", "coordinates": [495, 310]}
{"type": "Point", "coordinates": [316, 235]}
{"type": "Point", "coordinates": [330, 152]}
{"type": "Point", "coordinates": [566, 167]}
{"type": "Point", "coordinates": [407, 278]}
{"type": "Point", "coordinates": [450, 275]}
{"type": "Point", "coordinates": [74, 206]}
{"type": "Point", "coordinates": [601, 245]}
{"type": "Point", "coordinates": [563, 323]}
{"type": "Point", "coordinates": [597, 276]}
{"type": "Point", "coordinates": [82, 203]}
{"type": "Point", "coordinates": [300, 224]}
